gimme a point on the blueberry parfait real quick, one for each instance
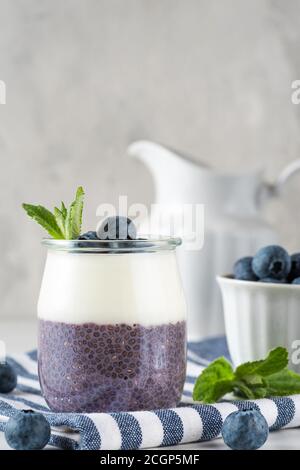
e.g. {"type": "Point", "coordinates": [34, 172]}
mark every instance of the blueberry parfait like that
{"type": "Point", "coordinates": [112, 320]}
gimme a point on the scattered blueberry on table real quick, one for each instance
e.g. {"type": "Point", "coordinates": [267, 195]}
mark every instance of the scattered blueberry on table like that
{"type": "Point", "coordinates": [27, 430]}
{"type": "Point", "coordinates": [271, 264]}
{"type": "Point", "coordinates": [245, 430]}
{"type": "Point", "coordinates": [8, 378]}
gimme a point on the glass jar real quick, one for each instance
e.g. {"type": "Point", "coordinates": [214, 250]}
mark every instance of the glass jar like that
{"type": "Point", "coordinates": [112, 325]}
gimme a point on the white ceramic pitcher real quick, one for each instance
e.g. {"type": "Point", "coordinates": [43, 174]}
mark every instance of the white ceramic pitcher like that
{"type": "Point", "coordinates": [233, 225]}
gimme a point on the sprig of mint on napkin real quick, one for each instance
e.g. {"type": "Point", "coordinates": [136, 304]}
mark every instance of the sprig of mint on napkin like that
{"type": "Point", "coordinates": [63, 223]}
{"type": "Point", "coordinates": [258, 379]}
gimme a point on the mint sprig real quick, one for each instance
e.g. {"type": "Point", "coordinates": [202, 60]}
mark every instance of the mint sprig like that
{"type": "Point", "coordinates": [257, 379]}
{"type": "Point", "coordinates": [63, 223]}
{"type": "Point", "coordinates": [276, 360]}
{"type": "Point", "coordinates": [45, 218]}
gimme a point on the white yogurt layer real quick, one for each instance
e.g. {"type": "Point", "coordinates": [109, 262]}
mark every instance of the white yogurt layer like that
{"type": "Point", "coordinates": [142, 288]}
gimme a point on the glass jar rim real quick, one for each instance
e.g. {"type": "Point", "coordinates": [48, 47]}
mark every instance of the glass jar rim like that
{"type": "Point", "coordinates": [139, 245]}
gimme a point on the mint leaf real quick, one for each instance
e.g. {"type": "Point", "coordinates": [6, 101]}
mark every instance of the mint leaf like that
{"type": "Point", "coordinates": [74, 216]}
{"type": "Point", "coordinates": [242, 390]}
{"type": "Point", "coordinates": [276, 360]}
{"type": "Point", "coordinates": [250, 388]}
{"type": "Point", "coordinates": [259, 392]}
{"type": "Point", "coordinates": [69, 225]}
{"type": "Point", "coordinates": [60, 216]}
{"type": "Point", "coordinates": [63, 210]}
{"type": "Point", "coordinates": [285, 382]}
{"type": "Point", "coordinates": [77, 211]}
{"type": "Point", "coordinates": [251, 377]}
{"type": "Point", "coordinates": [214, 382]}
{"type": "Point", "coordinates": [254, 380]}
{"type": "Point", "coordinates": [45, 218]}
{"type": "Point", "coordinates": [60, 220]}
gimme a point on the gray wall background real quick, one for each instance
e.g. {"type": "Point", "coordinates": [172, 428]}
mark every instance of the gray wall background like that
{"type": "Point", "coordinates": [86, 77]}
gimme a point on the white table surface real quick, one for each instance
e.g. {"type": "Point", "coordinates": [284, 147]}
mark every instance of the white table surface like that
{"type": "Point", "coordinates": [20, 336]}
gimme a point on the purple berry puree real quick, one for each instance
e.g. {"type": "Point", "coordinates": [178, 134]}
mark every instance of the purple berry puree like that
{"type": "Point", "coordinates": [107, 368]}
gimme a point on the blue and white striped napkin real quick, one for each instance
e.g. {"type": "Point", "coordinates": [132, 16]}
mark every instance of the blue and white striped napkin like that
{"type": "Point", "coordinates": [143, 429]}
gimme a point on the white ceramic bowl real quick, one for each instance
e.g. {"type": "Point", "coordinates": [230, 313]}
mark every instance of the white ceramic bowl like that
{"type": "Point", "coordinates": [260, 316]}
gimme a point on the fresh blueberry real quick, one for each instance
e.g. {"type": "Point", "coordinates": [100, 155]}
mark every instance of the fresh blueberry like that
{"type": "Point", "coordinates": [245, 430]}
{"type": "Point", "coordinates": [271, 261]}
{"type": "Point", "coordinates": [295, 267]}
{"type": "Point", "coordinates": [271, 280]}
{"type": "Point", "coordinates": [88, 236]}
{"type": "Point", "coordinates": [8, 378]}
{"type": "Point", "coordinates": [117, 228]}
{"type": "Point", "coordinates": [242, 269]}
{"type": "Point", "coordinates": [27, 430]}
{"type": "Point", "coordinates": [296, 280]}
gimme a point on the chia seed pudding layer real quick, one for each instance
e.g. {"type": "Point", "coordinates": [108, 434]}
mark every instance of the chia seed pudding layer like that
{"type": "Point", "coordinates": [108, 368]}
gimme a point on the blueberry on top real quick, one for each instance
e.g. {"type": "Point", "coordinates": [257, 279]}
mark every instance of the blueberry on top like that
{"type": "Point", "coordinates": [8, 378]}
{"type": "Point", "coordinates": [242, 269]}
{"type": "Point", "coordinates": [245, 430]}
{"type": "Point", "coordinates": [91, 235]}
{"type": "Point", "coordinates": [27, 430]}
{"type": "Point", "coordinates": [296, 280]}
{"type": "Point", "coordinates": [272, 261]}
{"type": "Point", "coordinates": [295, 266]}
{"type": "Point", "coordinates": [117, 228]}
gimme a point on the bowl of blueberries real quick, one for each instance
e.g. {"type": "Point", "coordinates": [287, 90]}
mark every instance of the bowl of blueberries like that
{"type": "Point", "coordinates": [261, 304]}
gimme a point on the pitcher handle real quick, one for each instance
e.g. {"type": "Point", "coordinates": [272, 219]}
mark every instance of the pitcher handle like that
{"type": "Point", "coordinates": [290, 170]}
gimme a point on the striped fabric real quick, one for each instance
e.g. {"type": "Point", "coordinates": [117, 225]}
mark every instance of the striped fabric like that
{"type": "Point", "coordinates": [144, 429]}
